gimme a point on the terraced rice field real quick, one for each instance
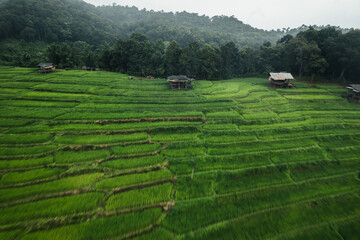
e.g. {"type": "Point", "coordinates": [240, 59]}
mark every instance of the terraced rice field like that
{"type": "Point", "coordinates": [94, 155]}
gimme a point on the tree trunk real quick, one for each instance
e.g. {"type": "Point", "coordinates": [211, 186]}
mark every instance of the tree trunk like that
{"type": "Point", "coordinates": [312, 78]}
{"type": "Point", "coordinates": [301, 70]}
{"type": "Point", "coordinates": [342, 75]}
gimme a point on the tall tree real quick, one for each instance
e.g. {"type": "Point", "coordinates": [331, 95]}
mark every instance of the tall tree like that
{"type": "Point", "coordinates": [157, 59]}
{"type": "Point", "coordinates": [230, 62]}
{"type": "Point", "coordinates": [172, 59]}
{"type": "Point", "coordinates": [189, 59]}
{"type": "Point", "coordinates": [209, 63]}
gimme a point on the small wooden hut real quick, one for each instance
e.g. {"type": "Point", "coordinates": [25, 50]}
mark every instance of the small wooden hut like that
{"type": "Point", "coordinates": [46, 67]}
{"type": "Point", "coordinates": [280, 80]}
{"type": "Point", "coordinates": [180, 82]}
{"type": "Point", "coordinates": [354, 92]}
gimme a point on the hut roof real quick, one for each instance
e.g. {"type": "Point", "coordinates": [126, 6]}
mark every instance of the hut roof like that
{"type": "Point", "coordinates": [281, 76]}
{"type": "Point", "coordinates": [178, 78]}
{"type": "Point", "coordinates": [42, 65]}
{"type": "Point", "coordinates": [354, 87]}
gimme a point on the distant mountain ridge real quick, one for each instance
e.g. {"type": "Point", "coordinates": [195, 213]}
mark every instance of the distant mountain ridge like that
{"type": "Point", "coordinates": [76, 20]}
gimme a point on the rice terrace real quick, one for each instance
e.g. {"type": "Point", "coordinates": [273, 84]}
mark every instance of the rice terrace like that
{"type": "Point", "coordinates": [97, 155]}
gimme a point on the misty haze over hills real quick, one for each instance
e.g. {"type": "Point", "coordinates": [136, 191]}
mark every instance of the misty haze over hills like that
{"type": "Point", "coordinates": [74, 20]}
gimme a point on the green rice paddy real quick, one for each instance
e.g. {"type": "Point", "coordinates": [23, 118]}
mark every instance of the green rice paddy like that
{"type": "Point", "coordinates": [95, 155]}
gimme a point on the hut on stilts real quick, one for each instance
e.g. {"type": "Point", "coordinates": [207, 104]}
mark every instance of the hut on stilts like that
{"type": "Point", "coordinates": [280, 80]}
{"type": "Point", "coordinates": [354, 92]}
{"type": "Point", "coordinates": [180, 82]}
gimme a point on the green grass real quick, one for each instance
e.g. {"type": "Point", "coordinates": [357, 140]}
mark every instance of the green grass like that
{"type": "Point", "coordinates": [49, 208]}
{"type": "Point", "coordinates": [165, 137]}
{"type": "Point", "coordinates": [158, 233]}
{"type": "Point", "coordinates": [259, 115]}
{"type": "Point", "coordinates": [134, 150]}
{"type": "Point", "coordinates": [134, 179]}
{"type": "Point", "coordinates": [226, 115]}
{"type": "Point", "coordinates": [25, 163]}
{"type": "Point", "coordinates": [101, 139]}
{"type": "Point", "coordinates": [300, 172]}
{"type": "Point", "coordinates": [140, 197]}
{"type": "Point", "coordinates": [194, 214]}
{"type": "Point", "coordinates": [101, 228]}
{"type": "Point", "coordinates": [95, 155]}
{"type": "Point", "coordinates": [313, 97]}
{"type": "Point", "coordinates": [22, 151]}
{"type": "Point", "coordinates": [13, 122]}
{"type": "Point", "coordinates": [24, 138]}
{"type": "Point", "coordinates": [257, 146]}
{"type": "Point", "coordinates": [120, 126]}
{"type": "Point", "coordinates": [10, 235]}
{"type": "Point", "coordinates": [296, 217]}
{"type": "Point", "coordinates": [30, 176]}
{"type": "Point", "coordinates": [65, 184]}
{"type": "Point", "coordinates": [253, 178]}
{"type": "Point", "coordinates": [134, 162]}
{"type": "Point", "coordinates": [37, 104]}
{"type": "Point", "coordinates": [322, 232]}
{"type": "Point", "coordinates": [28, 113]}
{"type": "Point", "coordinates": [349, 230]}
{"type": "Point", "coordinates": [201, 185]}
{"type": "Point", "coordinates": [72, 157]}
{"type": "Point", "coordinates": [133, 115]}
{"type": "Point", "coordinates": [188, 152]}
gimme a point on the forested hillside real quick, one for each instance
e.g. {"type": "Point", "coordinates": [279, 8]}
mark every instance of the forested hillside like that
{"type": "Point", "coordinates": [327, 53]}
{"type": "Point", "coordinates": [72, 33]}
{"type": "Point", "coordinates": [74, 20]}
{"type": "Point", "coordinates": [54, 21]}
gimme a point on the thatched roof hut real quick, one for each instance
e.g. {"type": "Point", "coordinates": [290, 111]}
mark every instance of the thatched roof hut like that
{"type": "Point", "coordinates": [46, 67]}
{"type": "Point", "coordinates": [180, 82]}
{"type": "Point", "coordinates": [280, 80]}
{"type": "Point", "coordinates": [354, 92]}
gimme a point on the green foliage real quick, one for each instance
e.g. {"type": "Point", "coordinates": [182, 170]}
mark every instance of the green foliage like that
{"type": "Point", "coordinates": [134, 179]}
{"type": "Point", "coordinates": [71, 157]}
{"type": "Point", "coordinates": [133, 115]}
{"type": "Point", "coordinates": [194, 214]}
{"type": "Point", "coordinates": [134, 150]}
{"type": "Point", "coordinates": [253, 178]}
{"type": "Point", "coordinates": [140, 197]}
{"type": "Point", "coordinates": [159, 233]}
{"type": "Point", "coordinates": [16, 151]}
{"type": "Point", "coordinates": [134, 162]}
{"type": "Point", "coordinates": [100, 139]}
{"type": "Point", "coordinates": [13, 122]}
{"type": "Point", "coordinates": [301, 172]}
{"type": "Point", "coordinates": [227, 153]}
{"type": "Point", "coordinates": [163, 137]}
{"type": "Point", "coordinates": [18, 112]}
{"type": "Point", "coordinates": [25, 163]}
{"type": "Point", "coordinates": [257, 146]}
{"type": "Point", "coordinates": [65, 184]}
{"type": "Point", "coordinates": [50, 208]}
{"type": "Point", "coordinates": [349, 230]}
{"type": "Point", "coordinates": [9, 235]}
{"type": "Point", "coordinates": [29, 176]}
{"type": "Point", "coordinates": [188, 152]}
{"type": "Point", "coordinates": [100, 228]}
{"type": "Point", "coordinates": [294, 216]}
{"type": "Point", "coordinates": [24, 138]}
{"type": "Point", "coordinates": [200, 185]}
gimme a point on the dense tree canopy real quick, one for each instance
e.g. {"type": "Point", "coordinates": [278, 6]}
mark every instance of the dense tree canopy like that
{"type": "Point", "coordinates": [326, 52]}
{"type": "Point", "coordinates": [75, 20]}
{"type": "Point", "coordinates": [72, 33]}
